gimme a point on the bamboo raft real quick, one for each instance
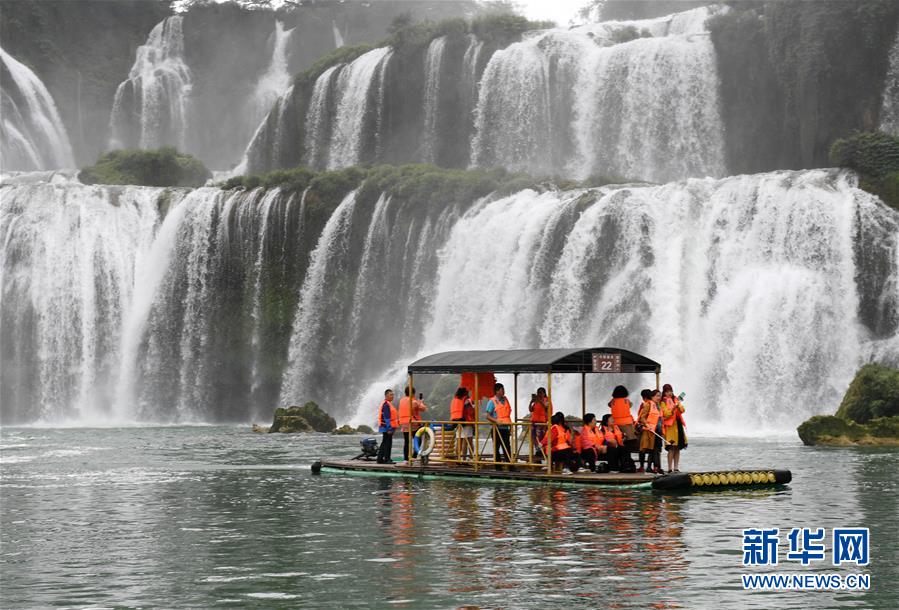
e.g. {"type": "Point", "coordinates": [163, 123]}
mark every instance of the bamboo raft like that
{"type": "Point", "coordinates": [680, 481]}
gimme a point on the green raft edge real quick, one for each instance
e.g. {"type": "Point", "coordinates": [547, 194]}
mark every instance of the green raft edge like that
{"type": "Point", "coordinates": [481, 479]}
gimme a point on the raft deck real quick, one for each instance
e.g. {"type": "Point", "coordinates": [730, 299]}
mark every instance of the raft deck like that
{"type": "Point", "coordinates": [464, 472]}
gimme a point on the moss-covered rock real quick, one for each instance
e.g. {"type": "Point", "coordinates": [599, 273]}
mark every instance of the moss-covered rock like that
{"type": "Point", "coordinates": [309, 414]}
{"type": "Point", "coordinates": [875, 156]}
{"type": "Point", "coordinates": [868, 415]}
{"type": "Point", "coordinates": [289, 420]}
{"type": "Point", "coordinates": [162, 167]}
{"type": "Point", "coordinates": [363, 429]}
{"type": "Point", "coordinates": [344, 430]}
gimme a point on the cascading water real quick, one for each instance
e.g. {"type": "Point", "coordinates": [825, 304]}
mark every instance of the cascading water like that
{"type": "Point", "coordinates": [744, 288]}
{"type": "Point", "coordinates": [757, 293]}
{"type": "Point", "coordinates": [889, 112]}
{"type": "Point", "coordinates": [157, 92]}
{"type": "Point", "coordinates": [67, 276]}
{"type": "Point", "coordinates": [276, 78]}
{"type": "Point", "coordinates": [33, 136]}
{"type": "Point", "coordinates": [637, 99]}
{"type": "Point", "coordinates": [354, 109]}
{"type": "Point", "coordinates": [433, 65]}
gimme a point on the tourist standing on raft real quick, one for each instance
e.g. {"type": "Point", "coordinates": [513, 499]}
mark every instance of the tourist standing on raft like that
{"type": "Point", "coordinates": [673, 426]}
{"type": "Point", "coordinates": [650, 422]}
{"type": "Point", "coordinates": [540, 409]}
{"type": "Point", "coordinates": [462, 411]}
{"type": "Point", "coordinates": [388, 419]}
{"type": "Point", "coordinates": [499, 413]}
{"type": "Point", "coordinates": [410, 411]}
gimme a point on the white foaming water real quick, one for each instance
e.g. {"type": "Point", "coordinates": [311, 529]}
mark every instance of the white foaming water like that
{"type": "Point", "coordinates": [743, 288]}
{"type": "Point", "coordinates": [433, 65]}
{"type": "Point", "coordinates": [276, 78]}
{"type": "Point", "coordinates": [318, 118]}
{"type": "Point", "coordinates": [32, 135]}
{"type": "Point", "coordinates": [157, 90]}
{"type": "Point", "coordinates": [645, 108]}
{"type": "Point", "coordinates": [328, 258]}
{"type": "Point", "coordinates": [352, 93]}
{"type": "Point", "coordinates": [760, 295]}
{"type": "Point", "coordinates": [889, 112]}
{"type": "Point", "coordinates": [67, 280]}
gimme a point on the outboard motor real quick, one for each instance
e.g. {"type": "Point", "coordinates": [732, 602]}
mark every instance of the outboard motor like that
{"type": "Point", "coordinates": [369, 449]}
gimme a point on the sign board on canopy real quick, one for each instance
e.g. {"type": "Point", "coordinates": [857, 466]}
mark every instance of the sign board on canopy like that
{"type": "Point", "coordinates": [606, 363]}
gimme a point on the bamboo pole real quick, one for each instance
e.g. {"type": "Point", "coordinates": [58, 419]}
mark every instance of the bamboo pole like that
{"type": "Point", "coordinates": [514, 429]}
{"type": "Point", "coordinates": [549, 440]}
{"type": "Point", "coordinates": [477, 420]}
{"type": "Point", "coordinates": [410, 394]}
{"type": "Point", "coordinates": [583, 395]}
{"type": "Point", "coordinates": [658, 375]}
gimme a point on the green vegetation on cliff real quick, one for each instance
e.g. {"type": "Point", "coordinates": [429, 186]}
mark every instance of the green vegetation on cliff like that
{"type": "Point", "coordinates": [868, 415]}
{"type": "Point", "coordinates": [795, 76]}
{"type": "Point", "coordinates": [875, 156]}
{"type": "Point", "coordinates": [161, 167]}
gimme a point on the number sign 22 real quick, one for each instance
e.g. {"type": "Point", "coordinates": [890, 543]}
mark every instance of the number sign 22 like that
{"type": "Point", "coordinates": [606, 363]}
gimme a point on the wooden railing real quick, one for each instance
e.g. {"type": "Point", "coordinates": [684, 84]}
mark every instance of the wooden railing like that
{"type": "Point", "coordinates": [447, 441]}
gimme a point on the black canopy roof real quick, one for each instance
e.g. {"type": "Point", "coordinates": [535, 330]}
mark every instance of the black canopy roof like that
{"type": "Point", "coordinates": [530, 361]}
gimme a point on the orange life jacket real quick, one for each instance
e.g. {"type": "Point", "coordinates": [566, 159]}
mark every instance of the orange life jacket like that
{"type": "Point", "coordinates": [671, 405]}
{"type": "Point", "coordinates": [405, 411]}
{"type": "Point", "coordinates": [457, 408]}
{"type": "Point", "coordinates": [560, 437]}
{"type": "Point", "coordinates": [652, 418]}
{"type": "Point", "coordinates": [538, 415]}
{"type": "Point", "coordinates": [621, 411]}
{"type": "Point", "coordinates": [590, 438]}
{"type": "Point", "coordinates": [614, 434]}
{"type": "Point", "coordinates": [394, 416]}
{"type": "Point", "coordinates": [503, 410]}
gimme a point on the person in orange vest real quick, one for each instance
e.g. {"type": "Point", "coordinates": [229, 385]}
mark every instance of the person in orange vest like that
{"type": "Point", "coordinates": [673, 426]}
{"type": "Point", "coordinates": [592, 442]}
{"type": "Point", "coordinates": [499, 413]}
{"type": "Point", "coordinates": [650, 419]}
{"type": "Point", "coordinates": [410, 412]}
{"type": "Point", "coordinates": [388, 420]}
{"type": "Point", "coordinates": [620, 406]}
{"type": "Point", "coordinates": [613, 440]}
{"type": "Point", "coordinates": [540, 408]}
{"type": "Point", "coordinates": [560, 437]}
{"type": "Point", "coordinates": [462, 411]}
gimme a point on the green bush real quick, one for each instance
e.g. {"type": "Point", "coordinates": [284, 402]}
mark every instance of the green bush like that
{"type": "Point", "coordinates": [875, 156]}
{"type": "Point", "coordinates": [873, 393]}
{"type": "Point", "coordinates": [162, 167]}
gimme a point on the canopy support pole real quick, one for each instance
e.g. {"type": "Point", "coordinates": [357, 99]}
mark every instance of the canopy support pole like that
{"type": "Point", "coordinates": [515, 428]}
{"type": "Point", "coordinates": [549, 441]}
{"type": "Point", "coordinates": [658, 375]}
{"type": "Point", "coordinates": [477, 420]}
{"type": "Point", "coordinates": [583, 395]}
{"type": "Point", "coordinates": [410, 445]}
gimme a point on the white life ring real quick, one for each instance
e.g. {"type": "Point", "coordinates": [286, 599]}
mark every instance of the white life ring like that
{"type": "Point", "coordinates": [426, 447]}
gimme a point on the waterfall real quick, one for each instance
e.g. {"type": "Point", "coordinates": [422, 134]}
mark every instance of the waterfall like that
{"type": "Point", "coordinates": [759, 294]}
{"type": "Point", "coordinates": [743, 288]}
{"type": "Point", "coordinates": [157, 91]}
{"type": "Point", "coordinates": [433, 65]}
{"type": "Point", "coordinates": [889, 112]}
{"type": "Point", "coordinates": [33, 136]}
{"type": "Point", "coordinates": [318, 118]}
{"type": "Point", "coordinates": [67, 277]}
{"type": "Point", "coordinates": [353, 92]}
{"type": "Point", "coordinates": [276, 79]}
{"type": "Point", "coordinates": [636, 99]}
{"type": "Point", "coordinates": [338, 37]}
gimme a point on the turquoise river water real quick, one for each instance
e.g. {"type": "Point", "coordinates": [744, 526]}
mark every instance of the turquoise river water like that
{"type": "Point", "coordinates": [204, 517]}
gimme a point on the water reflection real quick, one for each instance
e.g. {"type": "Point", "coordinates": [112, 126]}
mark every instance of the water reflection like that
{"type": "Point", "coordinates": [198, 517]}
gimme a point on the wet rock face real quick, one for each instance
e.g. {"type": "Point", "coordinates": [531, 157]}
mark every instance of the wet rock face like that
{"type": "Point", "coordinates": [308, 418]}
